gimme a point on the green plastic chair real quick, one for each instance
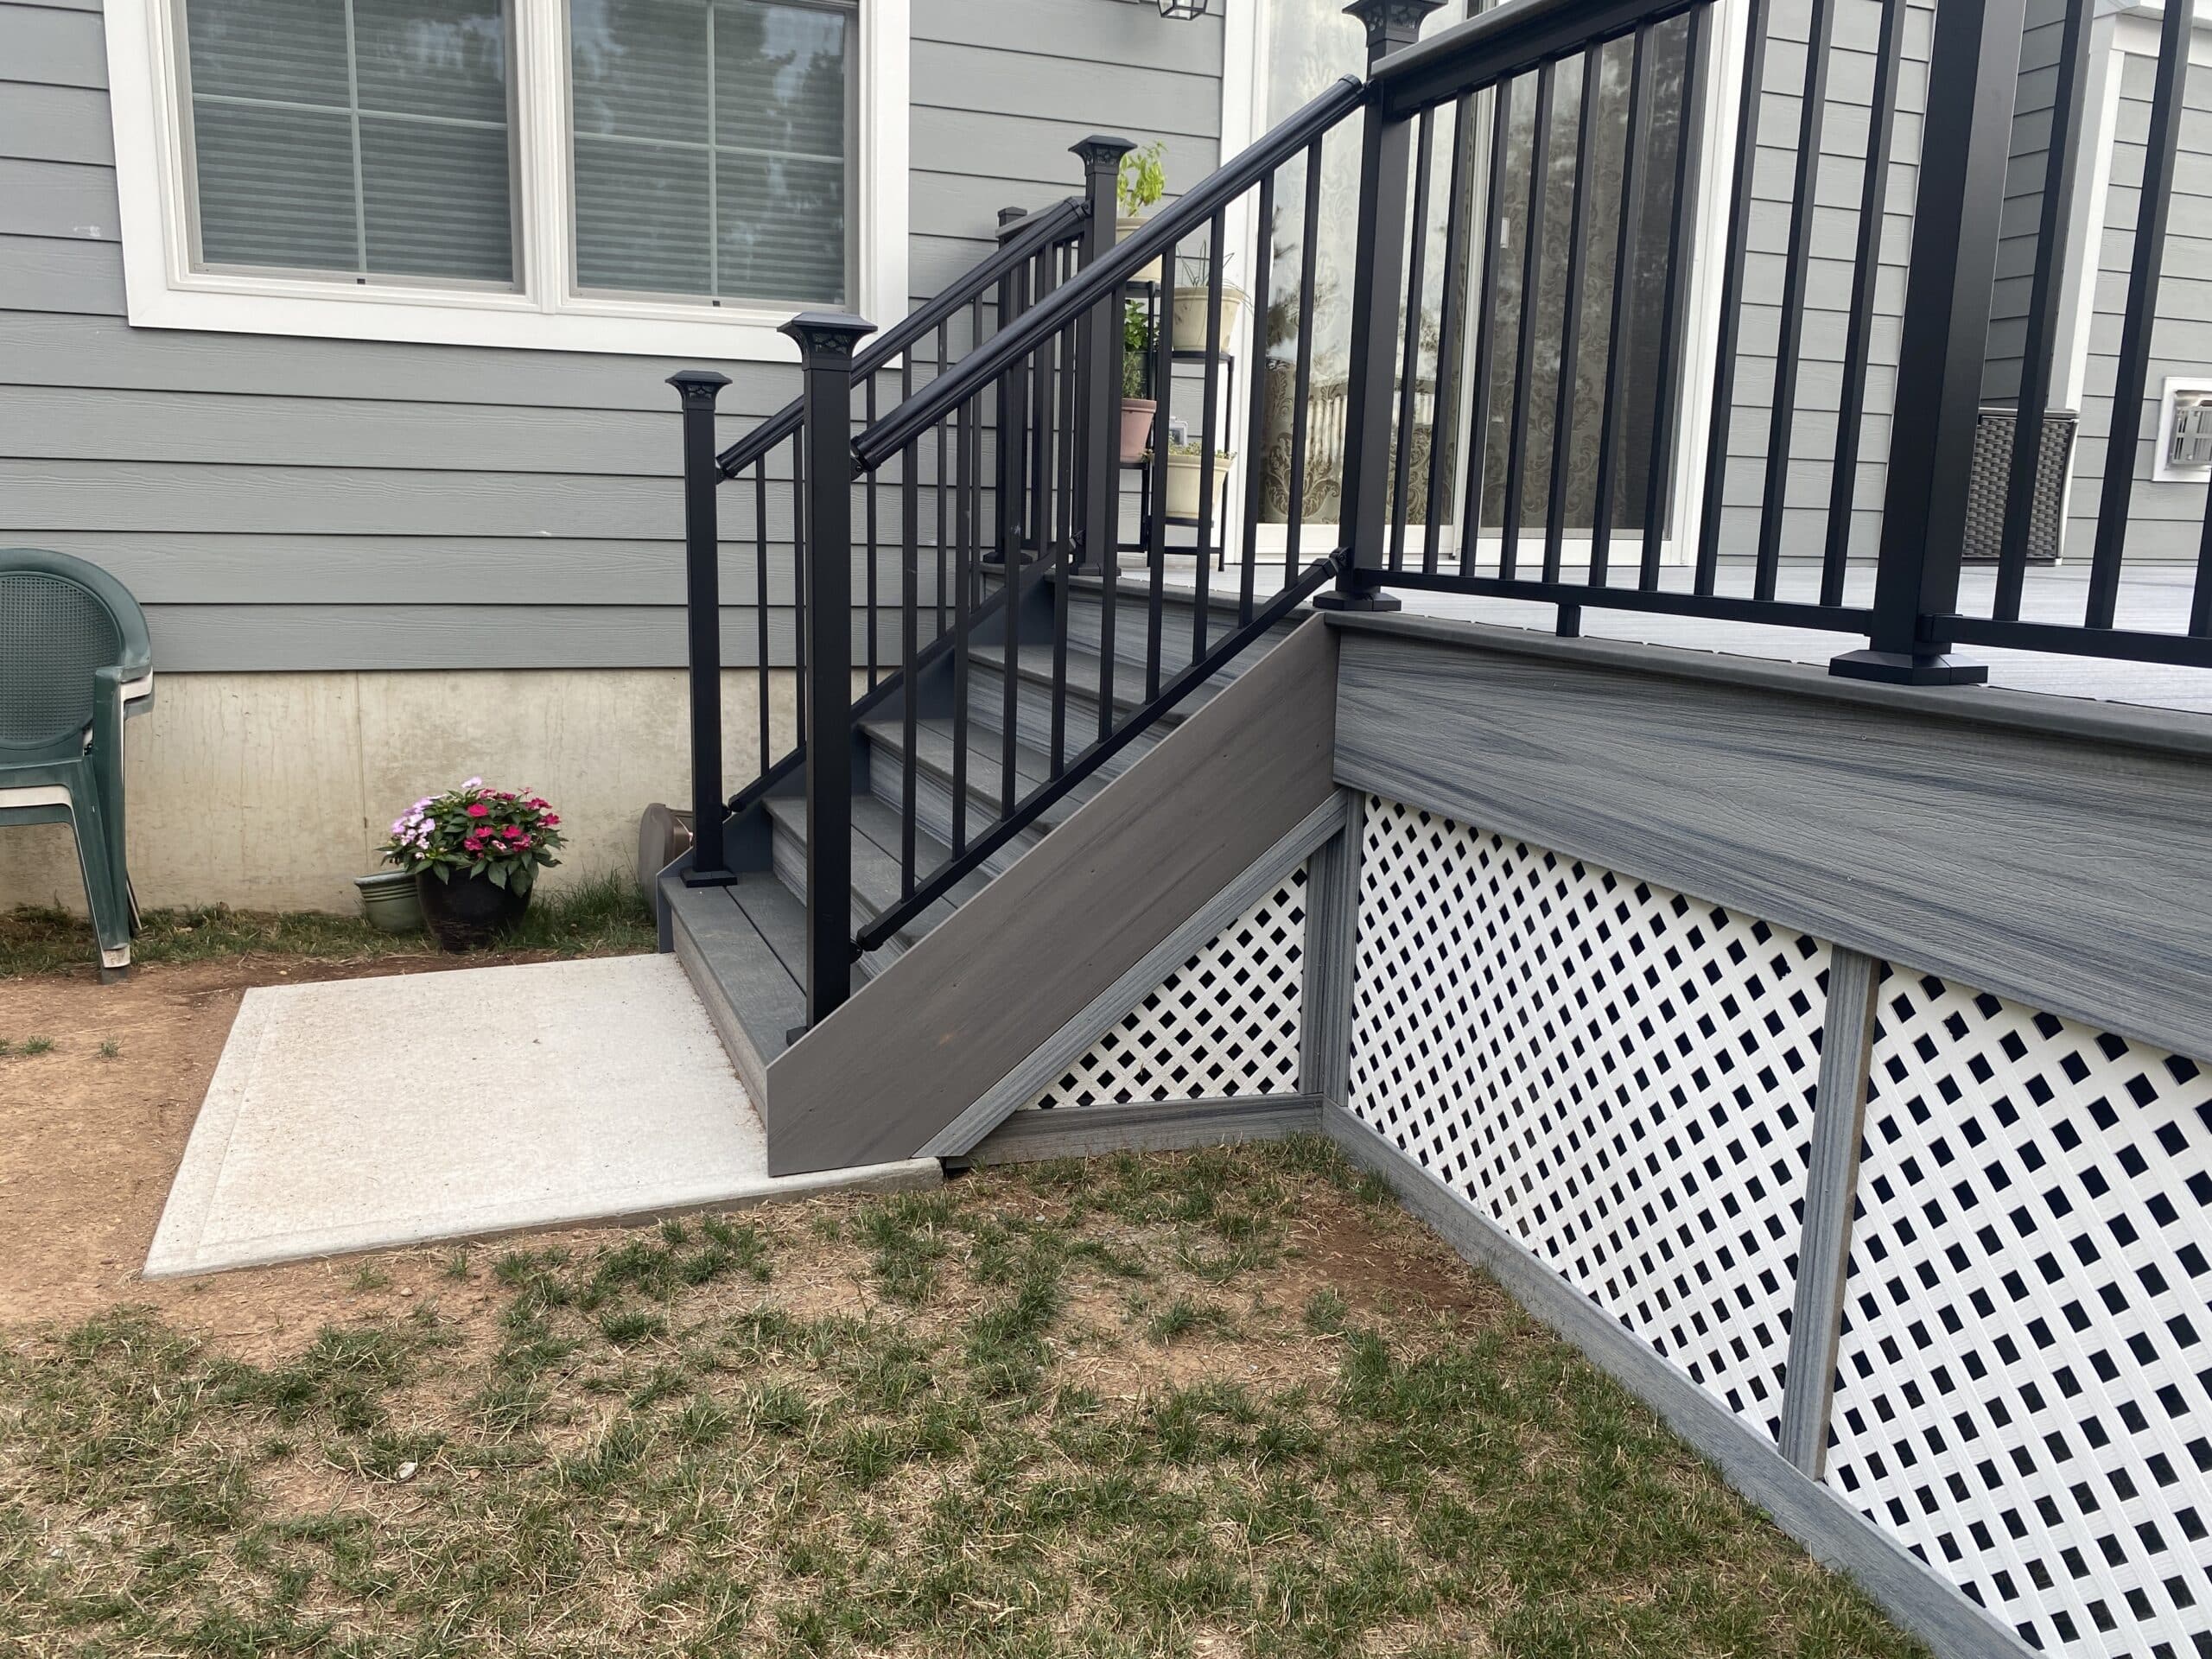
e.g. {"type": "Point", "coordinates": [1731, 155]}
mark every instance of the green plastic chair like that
{"type": "Point", "coordinates": [74, 663]}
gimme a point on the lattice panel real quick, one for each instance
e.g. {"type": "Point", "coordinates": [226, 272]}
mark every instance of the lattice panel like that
{"type": "Point", "coordinates": [1225, 1023]}
{"type": "Point", "coordinates": [1620, 1075]}
{"type": "Point", "coordinates": [2025, 1388]}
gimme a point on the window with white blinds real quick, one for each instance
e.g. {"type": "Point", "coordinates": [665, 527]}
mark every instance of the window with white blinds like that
{"type": "Point", "coordinates": [367, 137]}
{"type": "Point", "coordinates": [712, 142]}
{"type": "Point", "coordinates": [662, 177]}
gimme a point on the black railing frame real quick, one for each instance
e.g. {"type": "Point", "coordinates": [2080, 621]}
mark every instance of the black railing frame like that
{"type": "Point", "coordinates": [826, 340]}
{"type": "Point", "coordinates": [1965, 139]}
{"type": "Point", "coordinates": [703, 614]}
{"type": "Point", "coordinates": [1378, 276]}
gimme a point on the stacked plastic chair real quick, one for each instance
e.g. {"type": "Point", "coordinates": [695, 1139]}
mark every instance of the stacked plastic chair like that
{"type": "Point", "coordinates": [74, 663]}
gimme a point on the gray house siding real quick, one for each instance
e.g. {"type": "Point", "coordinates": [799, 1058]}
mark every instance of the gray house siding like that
{"type": "Point", "coordinates": [2026, 170]}
{"type": "Point", "coordinates": [287, 503]}
{"type": "Point", "coordinates": [2166, 520]}
{"type": "Point", "coordinates": [1836, 195]}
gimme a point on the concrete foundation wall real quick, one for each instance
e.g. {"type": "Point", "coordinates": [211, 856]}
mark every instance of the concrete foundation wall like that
{"type": "Point", "coordinates": [272, 790]}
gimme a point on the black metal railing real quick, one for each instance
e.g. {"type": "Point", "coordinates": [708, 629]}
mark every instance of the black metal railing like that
{"type": "Point", "coordinates": [767, 467]}
{"type": "Point", "coordinates": [1536, 376]}
{"type": "Point", "coordinates": [1770, 529]}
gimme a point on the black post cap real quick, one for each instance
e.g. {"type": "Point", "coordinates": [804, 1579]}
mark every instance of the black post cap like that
{"type": "Point", "coordinates": [826, 333]}
{"type": "Point", "coordinates": [698, 383]}
{"type": "Point", "coordinates": [1391, 24]}
{"type": "Point", "coordinates": [1102, 149]}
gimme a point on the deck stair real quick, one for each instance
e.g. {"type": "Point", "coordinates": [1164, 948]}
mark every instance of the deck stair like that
{"type": "Point", "coordinates": [744, 945]}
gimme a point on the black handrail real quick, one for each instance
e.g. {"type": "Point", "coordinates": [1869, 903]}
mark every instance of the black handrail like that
{"type": "Point", "coordinates": [887, 922]}
{"type": "Point", "coordinates": [1098, 281]}
{"type": "Point", "coordinates": [1023, 241]}
{"type": "Point", "coordinates": [1505, 42]}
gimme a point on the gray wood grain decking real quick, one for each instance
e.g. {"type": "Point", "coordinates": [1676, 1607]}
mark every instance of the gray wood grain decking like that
{"type": "Point", "coordinates": [2054, 852]}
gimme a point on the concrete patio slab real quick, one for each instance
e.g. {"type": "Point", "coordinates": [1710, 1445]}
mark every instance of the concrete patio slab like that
{"type": "Point", "coordinates": [357, 1114]}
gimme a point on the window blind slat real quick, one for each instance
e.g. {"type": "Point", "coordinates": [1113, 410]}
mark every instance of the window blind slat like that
{"type": "Point", "coordinates": [437, 200]}
{"type": "Point", "coordinates": [770, 100]}
{"type": "Point", "coordinates": [641, 217]}
{"type": "Point", "coordinates": [397, 165]}
{"type": "Point", "coordinates": [275, 187]}
{"type": "Point", "coordinates": [414, 58]}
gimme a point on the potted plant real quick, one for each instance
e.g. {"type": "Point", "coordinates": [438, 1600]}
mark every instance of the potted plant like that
{"type": "Point", "coordinates": [1138, 185]}
{"type": "Point", "coordinates": [389, 901]}
{"type": "Point", "coordinates": [474, 854]}
{"type": "Point", "coordinates": [1191, 295]}
{"type": "Point", "coordinates": [1180, 498]}
{"type": "Point", "coordinates": [1137, 410]}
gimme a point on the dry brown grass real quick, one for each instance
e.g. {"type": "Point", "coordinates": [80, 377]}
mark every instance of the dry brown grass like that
{"type": "Point", "coordinates": [1230, 1403]}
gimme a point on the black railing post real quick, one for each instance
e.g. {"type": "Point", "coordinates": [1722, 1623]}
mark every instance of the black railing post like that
{"type": "Point", "coordinates": [704, 624]}
{"type": "Point", "coordinates": [1099, 431]}
{"type": "Point", "coordinates": [825, 343]}
{"type": "Point", "coordinates": [1378, 285]}
{"type": "Point", "coordinates": [1964, 138]}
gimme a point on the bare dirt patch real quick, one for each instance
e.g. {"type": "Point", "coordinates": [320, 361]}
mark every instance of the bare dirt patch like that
{"type": "Point", "coordinates": [93, 1127]}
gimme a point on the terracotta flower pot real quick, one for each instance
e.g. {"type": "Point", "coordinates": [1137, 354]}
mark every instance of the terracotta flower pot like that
{"type": "Point", "coordinates": [1136, 427]}
{"type": "Point", "coordinates": [468, 912]}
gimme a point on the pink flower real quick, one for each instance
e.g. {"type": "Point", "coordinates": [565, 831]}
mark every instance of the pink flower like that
{"type": "Point", "coordinates": [478, 810]}
{"type": "Point", "coordinates": [552, 817]}
{"type": "Point", "coordinates": [523, 841]}
{"type": "Point", "coordinates": [512, 832]}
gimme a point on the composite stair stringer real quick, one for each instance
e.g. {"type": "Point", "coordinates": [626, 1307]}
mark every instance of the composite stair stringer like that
{"type": "Point", "coordinates": [920, 1061]}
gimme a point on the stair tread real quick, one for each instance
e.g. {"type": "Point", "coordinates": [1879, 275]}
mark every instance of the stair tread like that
{"type": "Point", "coordinates": [749, 935]}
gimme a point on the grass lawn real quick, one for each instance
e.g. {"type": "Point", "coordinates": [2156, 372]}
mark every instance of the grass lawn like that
{"type": "Point", "coordinates": [1227, 1403]}
{"type": "Point", "coordinates": [602, 915]}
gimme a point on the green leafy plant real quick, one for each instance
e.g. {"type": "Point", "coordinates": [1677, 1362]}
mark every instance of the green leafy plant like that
{"type": "Point", "coordinates": [1136, 348]}
{"type": "Point", "coordinates": [477, 831]}
{"type": "Point", "coordinates": [1193, 448]}
{"type": "Point", "coordinates": [1143, 180]}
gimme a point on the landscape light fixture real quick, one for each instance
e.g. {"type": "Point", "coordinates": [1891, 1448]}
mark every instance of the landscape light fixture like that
{"type": "Point", "coordinates": [1185, 9]}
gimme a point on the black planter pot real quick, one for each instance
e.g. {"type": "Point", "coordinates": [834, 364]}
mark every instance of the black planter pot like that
{"type": "Point", "coordinates": [468, 912]}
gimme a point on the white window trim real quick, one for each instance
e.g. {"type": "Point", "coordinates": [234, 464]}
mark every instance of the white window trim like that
{"type": "Point", "coordinates": [162, 291]}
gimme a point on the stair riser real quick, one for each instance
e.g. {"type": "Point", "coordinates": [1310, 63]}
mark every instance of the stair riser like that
{"type": "Point", "coordinates": [790, 855]}
{"type": "Point", "coordinates": [933, 803]}
{"type": "Point", "coordinates": [1085, 633]}
{"type": "Point", "coordinates": [1033, 718]}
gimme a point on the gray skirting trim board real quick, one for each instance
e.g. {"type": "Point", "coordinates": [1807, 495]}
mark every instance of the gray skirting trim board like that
{"type": "Point", "coordinates": [1032, 1136]}
{"type": "Point", "coordinates": [1905, 1587]}
{"type": "Point", "coordinates": [1053, 1056]}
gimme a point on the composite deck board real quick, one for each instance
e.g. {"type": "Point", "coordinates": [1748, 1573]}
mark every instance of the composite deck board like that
{"type": "Point", "coordinates": [746, 983]}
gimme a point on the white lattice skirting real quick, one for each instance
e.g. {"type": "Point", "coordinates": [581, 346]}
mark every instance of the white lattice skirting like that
{"type": "Point", "coordinates": [1224, 1024]}
{"type": "Point", "coordinates": [1623, 1079]}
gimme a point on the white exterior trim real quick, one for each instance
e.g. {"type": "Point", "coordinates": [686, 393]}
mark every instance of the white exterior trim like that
{"type": "Point", "coordinates": [162, 291]}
